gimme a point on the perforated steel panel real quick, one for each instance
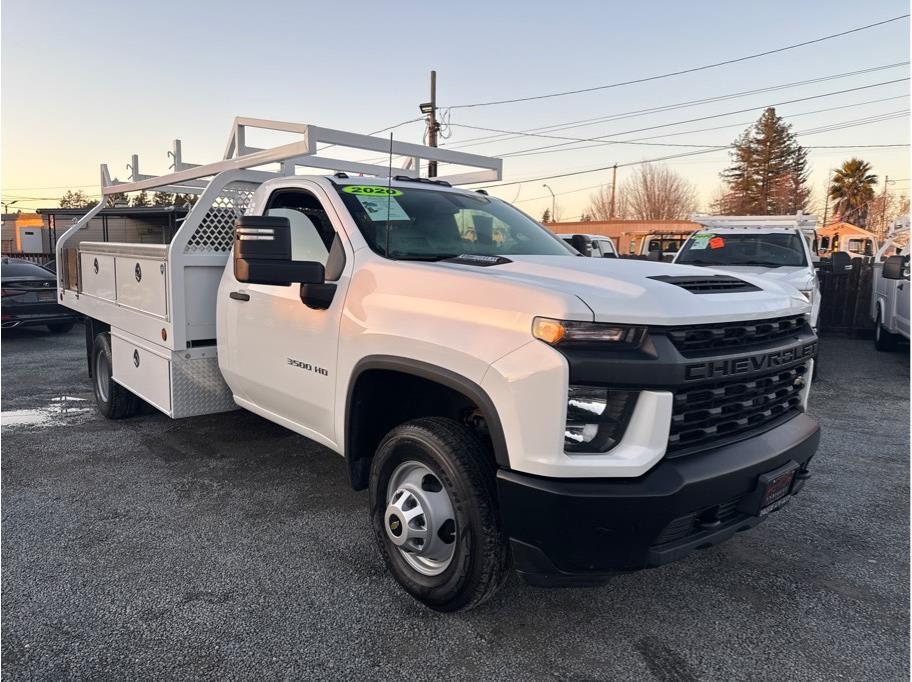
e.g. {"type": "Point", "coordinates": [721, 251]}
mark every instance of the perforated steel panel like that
{"type": "Point", "coordinates": [215, 232]}
{"type": "Point", "coordinates": [197, 386]}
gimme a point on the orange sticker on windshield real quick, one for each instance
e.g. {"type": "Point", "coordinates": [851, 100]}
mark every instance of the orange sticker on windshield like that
{"type": "Point", "coordinates": [716, 243]}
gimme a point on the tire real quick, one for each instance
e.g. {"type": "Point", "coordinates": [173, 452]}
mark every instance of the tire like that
{"type": "Point", "coordinates": [60, 327]}
{"type": "Point", "coordinates": [884, 341]}
{"type": "Point", "coordinates": [112, 399]}
{"type": "Point", "coordinates": [462, 468]}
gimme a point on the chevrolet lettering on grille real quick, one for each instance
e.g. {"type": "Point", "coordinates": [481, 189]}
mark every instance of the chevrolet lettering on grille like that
{"type": "Point", "coordinates": [717, 369]}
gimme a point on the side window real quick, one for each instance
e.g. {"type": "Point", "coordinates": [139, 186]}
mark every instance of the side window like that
{"type": "Point", "coordinates": [596, 248]}
{"type": "Point", "coordinates": [312, 233]}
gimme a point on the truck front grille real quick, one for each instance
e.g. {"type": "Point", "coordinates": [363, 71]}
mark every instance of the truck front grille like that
{"type": "Point", "coordinates": [704, 415]}
{"type": "Point", "coordinates": [740, 335]}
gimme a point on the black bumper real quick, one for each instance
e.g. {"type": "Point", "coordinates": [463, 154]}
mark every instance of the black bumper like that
{"type": "Point", "coordinates": [579, 531]}
{"type": "Point", "coordinates": [34, 314]}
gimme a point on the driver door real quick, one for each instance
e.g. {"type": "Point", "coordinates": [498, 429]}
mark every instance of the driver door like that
{"type": "Point", "coordinates": [282, 353]}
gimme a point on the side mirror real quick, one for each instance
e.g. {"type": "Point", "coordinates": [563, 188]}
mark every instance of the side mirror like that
{"type": "Point", "coordinates": [581, 244]}
{"type": "Point", "coordinates": [262, 254]}
{"type": "Point", "coordinates": [894, 267]}
{"type": "Point", "coordinates": [840, 263]}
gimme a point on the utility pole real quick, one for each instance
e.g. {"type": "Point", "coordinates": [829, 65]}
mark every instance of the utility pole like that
{"type": "Point", "coordinates": [553, 205]}
{"type": "Point", "coordinates": [883, 208]}
{"type": "Point", "coordinates": [826, 200]}
{"type": "Point", "coordinates": [429, 109]}
{"type": "Point", "coordinates": [614, 175]}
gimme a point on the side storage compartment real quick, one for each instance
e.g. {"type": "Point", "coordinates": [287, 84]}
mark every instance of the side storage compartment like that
{"type": "Point", "coordinates": [97, 275]}
{"type": "Point", "coordinates": [184, 383]}
{"type": "Point", "coordinates": [142, 284]}
{"type": "Point", "coordinates": [142, 368]}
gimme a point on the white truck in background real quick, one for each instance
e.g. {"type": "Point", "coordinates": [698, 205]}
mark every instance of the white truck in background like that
{"type": "Point", "coordinates": [890, 289]}
{"type": "Point", "coordinates": [777, 248]}
{"type": "Point", "coordinates": [591, 245]}
{"type": "Point", "coordinates": [504, 401]}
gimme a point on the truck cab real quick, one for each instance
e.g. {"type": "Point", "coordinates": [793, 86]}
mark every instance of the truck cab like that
{"type": "Point", "coordinates": [776, 248]}
{"type": "Point", "coordinates": [890, 291]}
{"type": "Point", "coordinates": [505, 403]}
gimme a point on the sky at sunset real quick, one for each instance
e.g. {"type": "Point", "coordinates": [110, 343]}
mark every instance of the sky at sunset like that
{"type": "Point", "coordinates": [96, 81]}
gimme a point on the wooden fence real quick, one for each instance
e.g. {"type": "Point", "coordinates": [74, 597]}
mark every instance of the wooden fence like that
{"type": "Point", "coordinates": [845, 300]}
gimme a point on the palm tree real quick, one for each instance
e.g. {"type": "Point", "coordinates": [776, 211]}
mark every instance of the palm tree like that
{"type": "Point", "coordinates": [851, 189]}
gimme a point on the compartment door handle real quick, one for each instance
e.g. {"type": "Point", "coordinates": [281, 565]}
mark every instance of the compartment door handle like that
{"type": "Point", "coordinates": [239, 296]}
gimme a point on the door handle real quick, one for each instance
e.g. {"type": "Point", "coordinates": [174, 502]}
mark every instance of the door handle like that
{"type": "Point", "coordinates": [239, 296]}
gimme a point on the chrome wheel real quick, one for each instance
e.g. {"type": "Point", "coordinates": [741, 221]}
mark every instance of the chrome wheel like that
{"type": "Point", "coordinates": [102, 375]}
{"type": "Point", "coordinates": [419, 518]}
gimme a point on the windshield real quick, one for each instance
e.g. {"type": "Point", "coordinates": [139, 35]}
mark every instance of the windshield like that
{"type": "Point", "coordinates": [772, 250]}
{"type": "Point", "coordinates": [428, 224]}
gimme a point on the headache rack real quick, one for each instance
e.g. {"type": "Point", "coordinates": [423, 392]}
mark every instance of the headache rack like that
{"type": "Point", "coordinates": [159, 299]}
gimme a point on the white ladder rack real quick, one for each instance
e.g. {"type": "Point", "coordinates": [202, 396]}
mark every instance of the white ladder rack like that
{"type": "Point", "coordinates": [189, 177]}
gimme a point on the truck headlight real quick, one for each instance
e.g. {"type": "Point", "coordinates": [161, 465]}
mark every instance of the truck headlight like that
{"type": "Point", "coordinates": [596, 418]}
{"type": "Point", "coordinates": [605, 335]}
{"type": "Point", "coordinates": [808, 294]}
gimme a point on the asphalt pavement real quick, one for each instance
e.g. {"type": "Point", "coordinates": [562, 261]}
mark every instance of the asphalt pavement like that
{"type": "Point", "coordinates": [225, 547]}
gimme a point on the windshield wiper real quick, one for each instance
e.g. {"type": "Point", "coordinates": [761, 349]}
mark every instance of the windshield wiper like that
{"type": "Point", "coordinates": [697, 261]}
{"type": "Point", "coordinates": [426, 258]}
{"type": "Point", "coordinates": [756, 262]}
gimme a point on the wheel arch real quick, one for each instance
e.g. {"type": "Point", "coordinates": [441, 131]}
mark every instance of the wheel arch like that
{"type": "Point", "coordinates": [93, 328]}
{"type": "Point", "coordinates": [361, 439]}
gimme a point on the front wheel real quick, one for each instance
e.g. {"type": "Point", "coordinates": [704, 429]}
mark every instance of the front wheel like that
{"type": "Point", "coordinates": [884, 341]}
{"type": "Point", "coordinates": [434, 514]}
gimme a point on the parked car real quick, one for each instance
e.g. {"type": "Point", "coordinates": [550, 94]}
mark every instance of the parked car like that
{"type": "Point", "coordinates": [777, 248]}
{"type": "Point", "coordinates": [592, 245]}
{"type": "Point", "coordinates": [29, 298]}
{"type": "Point", "coordinates": [890, 293]}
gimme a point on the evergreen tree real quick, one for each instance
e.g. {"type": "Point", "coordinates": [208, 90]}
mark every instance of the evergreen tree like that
{"type": "Point", "coordinates": [163, 199]}
{"type": "Point", "coordinates": [119, 199]}
{"type": "Point", "coordinates": [546, 216]}
{"type": "Point", "coordinates": [140, 200]}
{"type": "Point", "coordinates": [77, 199]}
{"type": "Point", "coordinates": [768, 173]}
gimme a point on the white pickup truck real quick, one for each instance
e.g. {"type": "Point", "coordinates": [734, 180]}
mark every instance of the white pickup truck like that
{"type": "Point", "coordinates": [890, 290]}
{"type": "Point", "coordinates": [505, 401]}
{"type": "Point", "coordinates": [777, 248]}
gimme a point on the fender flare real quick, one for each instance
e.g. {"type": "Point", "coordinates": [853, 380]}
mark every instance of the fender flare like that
{"type": "Point", "coordinates": [437, 374]}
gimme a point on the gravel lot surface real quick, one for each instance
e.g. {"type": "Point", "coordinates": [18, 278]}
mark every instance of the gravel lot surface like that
{"type": "Point", "coordinates": [226, 547]}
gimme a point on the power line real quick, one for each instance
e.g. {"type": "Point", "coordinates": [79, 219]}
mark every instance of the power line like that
{"type": "Point", "coordinates": [703, 130]}
{"type": "Point", "coordinates": [637, 163]}
{"type": "Point", "coordinates": [475, 141]}
{"type": "Point", "coordinates": [667, 125]}
{"type": "Point", "coordinates": [681, 72]}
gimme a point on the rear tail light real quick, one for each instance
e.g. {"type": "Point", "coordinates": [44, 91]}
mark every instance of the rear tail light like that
{"type": "Point", "coordinates": [6, 293]}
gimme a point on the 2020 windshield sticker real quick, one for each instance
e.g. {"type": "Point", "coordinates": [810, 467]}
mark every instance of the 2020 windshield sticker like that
{"type": "Point", "coordinates": [700, 241]}
{"type": "Point", "coordinates": [372, 191]}
{"type": "Point", "coordinates": [382, 208]}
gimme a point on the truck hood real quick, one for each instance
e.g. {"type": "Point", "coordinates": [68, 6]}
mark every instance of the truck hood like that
{"type": "Point", "coordinates": [621, 290]}
{"type": "Point", "coordinates": [800, 277]}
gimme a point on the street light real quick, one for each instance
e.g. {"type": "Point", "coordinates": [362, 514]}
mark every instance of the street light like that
{"type": "Point", "coordinates": [553, 217]}
{"type": "Point", "coordinates": [7, 204]}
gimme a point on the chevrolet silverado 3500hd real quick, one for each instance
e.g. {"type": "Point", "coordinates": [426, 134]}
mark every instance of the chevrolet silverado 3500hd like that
{"type": "Point", "coordinates": [505, 401]}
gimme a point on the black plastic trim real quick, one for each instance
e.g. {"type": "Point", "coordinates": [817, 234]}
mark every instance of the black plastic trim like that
{"type": "Point", "coordinates": [424, 370]}
{"type": "Point", "coordinates": [592, 528]}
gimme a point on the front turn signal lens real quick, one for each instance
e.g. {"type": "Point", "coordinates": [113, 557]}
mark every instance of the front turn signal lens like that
{"type": "Point", "coordinates": [547, 330]}
{"type": "Point", "coordinates": [600, 334]}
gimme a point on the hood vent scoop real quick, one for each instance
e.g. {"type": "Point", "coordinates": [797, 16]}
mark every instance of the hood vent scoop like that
{"type": "Point", "coordinates": [708, 284]}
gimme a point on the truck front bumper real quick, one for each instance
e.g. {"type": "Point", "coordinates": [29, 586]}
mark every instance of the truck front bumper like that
{"type": "Point", "coordinates": [580, 531]}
